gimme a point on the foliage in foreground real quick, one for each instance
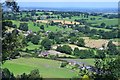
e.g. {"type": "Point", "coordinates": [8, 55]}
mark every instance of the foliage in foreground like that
{"type": "Point", "coordinates": [107, 69]}
{"type": "Point", "coordinates": [33, 75]}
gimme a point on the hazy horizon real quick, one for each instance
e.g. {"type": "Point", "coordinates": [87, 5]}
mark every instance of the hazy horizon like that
{"type": "Point", "coordinates": [69, 4]}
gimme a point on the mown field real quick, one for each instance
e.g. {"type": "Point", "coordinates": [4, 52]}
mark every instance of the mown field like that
{"type": "Point", "coordinates": [32, 46]}
{"type": "Point", "coordinates": [36, 28]}
{"type": "Point", "coordinates": [97, 20]}
{"type": "Point", "coordinates": [83, 61]}
{"type": "Point", "coordinates": [97, 43]}
{"type": "Point", "coordinates": [47, 68]}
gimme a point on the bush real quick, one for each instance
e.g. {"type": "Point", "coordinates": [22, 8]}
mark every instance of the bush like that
{"type": "Point", "coordinates": [35, 39]}
{"type": "Point", "coordinates": [42, 27]}
{"type": "Point", "coordinates": [76, 51]}
{"type": "Point", "coordinates": [34, 75]}
{"type": "Point", "coordinates": [100, 54]}
{"type": "Point", "coordinates": [46, 43]}
{"type": "Point", "coordinates": [26, 50]}
{"type": "Point", "coordinates": [63, 64]}
{"type": "Point", "coordinates": [14, 54]}
{"type": "Point", "coordinates": [85, 77]}
{"type": "Point", "coordinates": [23, 26]}
{"type": "Point", "coordinates": [53, 57]}
{"type": "Point", "coordinates": [7, 75]}
{"type": "Point", "coordinates": [84, 53]}
{"type": "Point", "coordinates": [81, 42]}
{"type": "Point", "coordinates": [26, 55]}
{"type": "Point", "coordinates": [64, 49]}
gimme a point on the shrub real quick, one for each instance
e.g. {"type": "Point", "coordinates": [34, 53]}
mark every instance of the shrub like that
{"type": "Point", "coordinates": [63, 64]}
{"type": "Point", "coordinates": [64, 49]}
{"type": "Point", "coordinates": [46, 43]}
{"type": "Point", "coordinates": [85, 77]}
{"type": "Point", "coordinates": [35, 39]}
{"type": "Point", "coordinates": [53, 57]}
{"type": "Point", "coordinates": [81, 42]}
{"type": "Point", "coordinates": [23, 26]}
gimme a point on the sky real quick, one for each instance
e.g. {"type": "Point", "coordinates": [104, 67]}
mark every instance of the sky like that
{"type": "Point", "coordinates": [69, 3]}
{"type": "Point", "coordinates": [66, 0]}
{"type": "Point", "coordinates": [69, 0]}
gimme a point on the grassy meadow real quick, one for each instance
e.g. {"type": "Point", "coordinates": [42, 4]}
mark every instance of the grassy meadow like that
{"type": "Point", "coordinates": [48, 68]}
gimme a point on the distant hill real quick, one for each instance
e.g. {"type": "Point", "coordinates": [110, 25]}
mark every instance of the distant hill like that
{"type": "Point", "coordinates": [103, 10]}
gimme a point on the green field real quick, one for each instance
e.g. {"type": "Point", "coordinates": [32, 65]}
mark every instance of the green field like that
{"type": "Point", "coordinates": [96, 21]}
{"type": "Point", "coordinates": [100, 29]}
{"type": "Point", "coordinates": [56, 28]}
{"type": "Point", "coordinates": [106, 21]}
{"type": "Point", "coordinates": [36, 28]}
{"type": "Point", "coordinates": [47, 68]}
{"type": "Point", "coordinates": [30, 25]}
{"type": "Point", "coordinates": [31, 46]}
{"type": "Point", "coordinates": [85, 61]}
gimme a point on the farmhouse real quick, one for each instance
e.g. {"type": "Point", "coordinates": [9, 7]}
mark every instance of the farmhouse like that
{"type": "Point", "coordinates": [50, 52]}
{"type": "Point", "coordinates": [43, 54]}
